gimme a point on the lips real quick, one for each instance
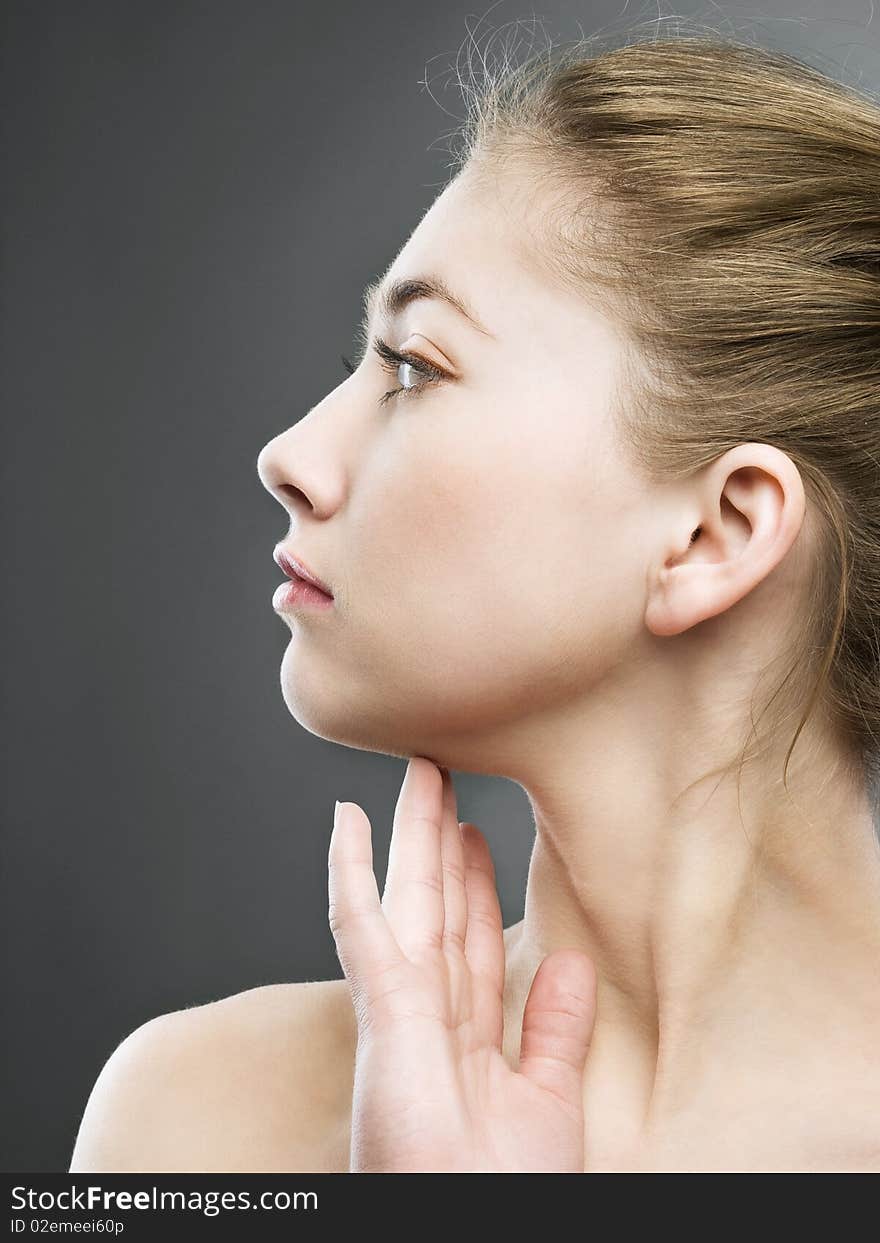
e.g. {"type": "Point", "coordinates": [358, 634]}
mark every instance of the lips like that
{"type": "Point", "coordinates": [294, 568]}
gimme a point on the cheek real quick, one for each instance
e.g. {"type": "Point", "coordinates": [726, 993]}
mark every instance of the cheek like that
{"type": "Point", "coordinates": [497, 559]}
{"type": "Point", "coordinates": [450, 528]}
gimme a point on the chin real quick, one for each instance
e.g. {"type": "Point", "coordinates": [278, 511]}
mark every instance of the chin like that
{"type": "Point", "coordinates": [330, 706]}
{"type": "Point", "coordinates": [377, 702]}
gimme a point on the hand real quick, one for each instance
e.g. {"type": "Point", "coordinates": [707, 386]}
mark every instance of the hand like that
{"type": "Point", "coordinates": [432, 1090]}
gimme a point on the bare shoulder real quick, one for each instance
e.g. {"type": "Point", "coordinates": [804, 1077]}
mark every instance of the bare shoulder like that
{"type": "Point", "coordinates": [259, 1081]}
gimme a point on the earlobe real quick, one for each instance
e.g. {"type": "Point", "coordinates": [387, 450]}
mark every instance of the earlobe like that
{"type": "Point", "coordinates": [754, 502]}
{"type": "Point", "coordinates": [680, 595]}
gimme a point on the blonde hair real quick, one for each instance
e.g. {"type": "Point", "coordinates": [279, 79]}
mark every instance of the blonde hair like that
{"type": "Point", "coordinates": [723, 202]}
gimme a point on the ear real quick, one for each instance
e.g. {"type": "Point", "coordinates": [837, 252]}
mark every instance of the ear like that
{"type": "Point", "coordinates": [743, 516]}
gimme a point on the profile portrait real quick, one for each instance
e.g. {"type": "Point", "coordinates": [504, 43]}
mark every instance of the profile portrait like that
{"type": "Point", "coordinates": [444, 535]}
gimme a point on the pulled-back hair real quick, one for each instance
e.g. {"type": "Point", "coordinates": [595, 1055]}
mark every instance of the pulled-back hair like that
{"type": "Point", "coordinates": [722, 201]}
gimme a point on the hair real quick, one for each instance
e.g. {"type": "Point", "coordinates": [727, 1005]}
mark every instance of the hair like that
{"type": "Point", "coordinates": [722, 202]}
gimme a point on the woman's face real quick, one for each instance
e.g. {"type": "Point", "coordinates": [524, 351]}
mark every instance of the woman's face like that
{"type": "Point", "coordinates": [483, 536]}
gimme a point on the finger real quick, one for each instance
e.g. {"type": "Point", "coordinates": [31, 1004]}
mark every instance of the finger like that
{"type": "Point", "coordinates": [413, 897]}
{"type": "Point", "coordinates": [558, 1024]}
{"type": "Point", "coordinates": [484, 939]}
{"type": "Point", "coordinates": [452, 860]}
{"type": "Point", "coordinates": [365, 944]}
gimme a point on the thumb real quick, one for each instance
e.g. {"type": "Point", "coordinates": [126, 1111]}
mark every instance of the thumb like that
{"type": "Point", "coordinates": [558, 1023]}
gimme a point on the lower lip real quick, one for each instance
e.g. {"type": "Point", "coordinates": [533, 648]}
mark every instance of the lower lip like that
{"type": "Point", "coordinates": [298, 594]}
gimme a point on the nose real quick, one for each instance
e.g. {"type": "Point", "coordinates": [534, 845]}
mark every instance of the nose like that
{"type": "Point", "coordinates": [305, 465]}
{"type": "Point", "coordinates": [308, 465]}
{"type": "Point", "coordinates": [275, 475]}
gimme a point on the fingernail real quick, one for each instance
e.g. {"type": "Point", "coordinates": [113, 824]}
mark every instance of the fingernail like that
{"type": "Point", "coordinates": [336, 814]}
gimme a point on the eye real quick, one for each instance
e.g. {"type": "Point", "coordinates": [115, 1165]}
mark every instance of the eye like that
{"type": "Point", "coordinates": [393, 360]}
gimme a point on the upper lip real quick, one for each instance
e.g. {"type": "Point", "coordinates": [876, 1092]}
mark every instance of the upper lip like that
{"type": "Point", "coordinates": [293, 567]}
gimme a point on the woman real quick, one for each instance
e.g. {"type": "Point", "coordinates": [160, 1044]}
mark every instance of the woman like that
{"type": "Point", "coordinates": [598, 510]}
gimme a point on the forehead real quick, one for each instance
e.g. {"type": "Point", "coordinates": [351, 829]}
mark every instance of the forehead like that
{"type": "Point", "coordinates": [481, 237]}
{"type": "Point", "coordinates": [469, 242]}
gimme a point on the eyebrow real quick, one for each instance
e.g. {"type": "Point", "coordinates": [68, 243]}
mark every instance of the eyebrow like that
{"type": "Point", "coordinates": [386, 303]}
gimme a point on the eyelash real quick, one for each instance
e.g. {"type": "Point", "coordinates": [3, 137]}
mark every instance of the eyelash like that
{"type": "Point", "coordinates": [391, 360]}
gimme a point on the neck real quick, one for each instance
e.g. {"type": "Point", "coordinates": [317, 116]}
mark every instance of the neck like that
{"type": "Point", "coordinates": [724, 922]}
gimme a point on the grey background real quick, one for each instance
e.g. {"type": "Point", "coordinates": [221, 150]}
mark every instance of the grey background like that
{"type": "Point", "coordinates": [194, 197]}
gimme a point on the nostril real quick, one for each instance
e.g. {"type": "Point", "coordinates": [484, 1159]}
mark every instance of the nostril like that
{"type": "Point", "coordinates": [291, 492]}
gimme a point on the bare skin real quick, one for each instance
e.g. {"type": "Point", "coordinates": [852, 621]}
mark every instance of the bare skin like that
{"type": "Point", "coordinates": [274, 1079]}
{"type": "Point", "coordinates": [512, 597]}
{"type": "Point", "coordinates": [261, 1082]}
